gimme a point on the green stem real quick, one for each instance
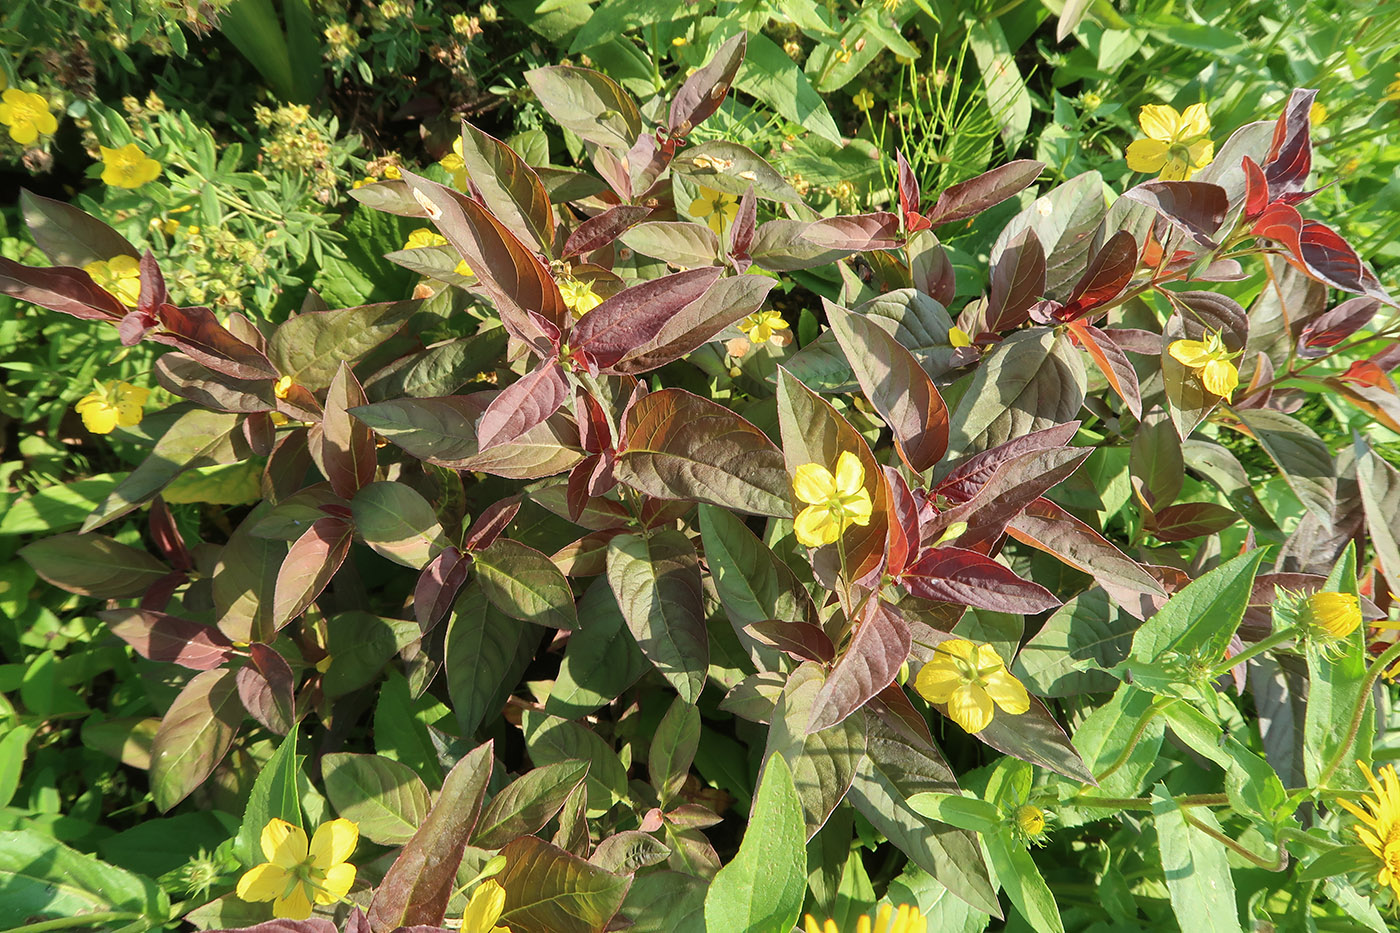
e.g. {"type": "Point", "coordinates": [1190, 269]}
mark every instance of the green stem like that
{"type": "Point", "coordinates": [1367, 683]}
{"type": "Point", "coordinates": [1159, 704]}
{"type": "Point", "coordinates": [1258, 648]}
{"type": "Point", "coordinates": [67, 923]}
{"type": "Point", "coordinates": [1277, 864]}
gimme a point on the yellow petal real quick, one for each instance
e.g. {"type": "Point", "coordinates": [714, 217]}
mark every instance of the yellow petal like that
{"type": "Point", "coordinates": [1220, 378]}
{"type": "Point", "coordinates": [295, 906]}
{"type": "Point", "coordinates": [814, 484]}
{"type": "Point", "coordinates": [858, 508]}
{"type": "Point", "coordinates": [333, 843]}
{"type": "Point", "coordinates": [487, 902]}
{"type": "Point", "coordinates": [1191, 353]}
{"type": "Point", "coordinates": [814, 527]}
{"type": "Point", "coordinates": [283, 844]}
{"type": "Point", "coordinates": [1176, 169]}
{"type": "Point", "coordinates": [1194, 122]}
{"type": "Point", "coordinates": [850, 474]}
{"type": "Point", "coordinates": [809, 925]}
{"type": "Point", "coordinates": [882, 918]}
{"type": "Point", "coordinates": [937, 680]}
{"type": "Point", "coordinates": [1160, 121]}
{"type": "Point", "coordinates": [262, 883]}
{"type": "Point", "coordinates": [98, 416]}
{"type": "Point", "coordinates": [970, 707]}
{"type": "Point", "coordinates": [863, 924]}
{"type": "Point", "coordinates": [959, 648]}
{"type": "Point", "coordinates": [987, 660]}
{"type": "Point", "coordinates": [1147, 155]}
{"type": "Point", "coordinates": [339, 879]}
{"type": "Point", "coordinates": [1201, 152]}
{"type": "Point", "coordinates": [129, 414]}
{"type": "Point", "coordinates": [1008, 692]}
{"type": "Point", "coordinates": [702, 207]}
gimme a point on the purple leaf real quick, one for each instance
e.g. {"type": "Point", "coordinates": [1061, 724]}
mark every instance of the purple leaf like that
{"type": "Point", "coordinates": [601, 230]}
{"type": "Point", "coordinates": [972, 197]}
{"type": "Point", "coordinates": [967, 578]}
{"type": "Point", "coordinates": [633, 317]}
{"type": "Point", "coordinates": [528, 401]}
{"type": "Point", "coordinates": [878, 648]}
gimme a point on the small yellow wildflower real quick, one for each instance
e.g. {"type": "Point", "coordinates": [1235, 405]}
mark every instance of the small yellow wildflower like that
{"type": "Point", "coordinates": [969, 679]}
{"type": "Point", "coordinates": [120, 275]}
{"type": "Point", "coordinates": [296, 875]}
{"type": "Point", "coordinates": [1210, 361]}
{"type": "Point", "coordinates": [283, 387]}
{"type": "Point", "coordinates": [484, 909]}
{"type": "Point", "coordinates": [1317, 113]}
{"type": "Point", "coordinates": [716, 208]}
{"type": "Point", "coordinates": [91, 7]}
{"type": "Point", "coordinates": [759, 327]}
{"type": "Point", "coordinates": [392, 171]}
{"type": "Point", "coordinates": [579, 296]}
{"type": "Point", "coordinates": [1090, 101]}
{"type": "Point", "coordinates": [1380, 831]}
{"type": "Point", "coordinates": [27, 115]}
{"type": "Point", "coordinates": [905, 919]}
{"type": "Point", "coordinates": [423, 237]}
{"type": "Point", "coordinates": [957, 337]}
{"type": "Point", "coordinates": [112, 404]}
{"type": "Point", "coordinates": [834, 501]}
{"type": "Point", "coordinates": [680, 41]}
{"type": "Point", "coordinates": [1334, 615]}
{"type": "Point", "coordinates": [367, 180]}
{"type": "Point", "coordinates": [1030, 821]}
{"type": "Point", "coordinates": [1176, 146]}
{"type": "Point", "coordinates": [128, 167]}
{"type": "Point", "coordinates": [864, 100]}
{"type": "Point", "coordinates": [455, 165]}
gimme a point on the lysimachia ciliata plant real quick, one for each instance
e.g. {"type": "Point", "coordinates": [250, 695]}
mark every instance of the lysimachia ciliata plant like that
{"type": "Point", "coordinates": [621, 574]}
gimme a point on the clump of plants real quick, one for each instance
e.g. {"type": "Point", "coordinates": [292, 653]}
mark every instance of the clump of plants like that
{"type": "Point", "coordinates": [617, 604]}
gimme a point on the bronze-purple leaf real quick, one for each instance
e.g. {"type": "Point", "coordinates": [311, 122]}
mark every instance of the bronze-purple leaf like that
{"type": "Point", "coordinates": [522, 405]}
{"type": "Point", "coordinates": [1337, 324]}
{"type": "Point", "coordinates": [347, 444]}
{"type": "Point", "coordinates": [69, 236]}
{"type": "Point", "coordinates": [200, 336]}
{"type": "Point", "coordinates": [1108, 274]}
{"type": "Point", "coordinates": [1018, 281]}
{"type": "Point", "coordinates": [727, 301]}
{"type": "Point", "coordinates": [1188, 520]}
{"type": "Point", "coordinates": [855, 233]}
{"type": "Point", "coordinates": [437, 587]}
{"type": "Point", "coordinates": [1112, 362]}
{"type": "Point", "coordinates": [309, 565]}
{"type": "Point", "coordinates": [799, 639]}
{"type": "Point", "coordinates": [601, 230]}
{"type": "Point", "coordinates": [972, 197]}
{"type": "Point", "coordinates": [633, 317]}
{"type": "Point", "coordinates": [704, 91]}
{"type": "Point", "coordinates": [61, 288]}
{"type": "Point", "coordinates": [956, 575]}
{"type": "Point", "coordinates": [1196, 207]}
{"type": "Point", "coordinates": [963, 482]}
{"type": "Point", "coordinates": [1007, 492]}
{"type": "Point", "coordinates": [1290, 153]}
{"type": "Point", "coordinates": [158, 636]}
{"type": "Point", "coordinates": [509, 187]}
{"type": "Point", "coordinates": [878, 648]}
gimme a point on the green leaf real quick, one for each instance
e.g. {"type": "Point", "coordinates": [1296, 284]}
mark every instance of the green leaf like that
{"type": "Point", "coordinates": [43, 879]}
{"type": "Point", "coordinates": [400, 731]}
{"type": "Point", "coordinates": [1334, 689]}
{"type": "Point", "coordinates": [92, 565]}
{"type": "Point", "coordinates": [673, 749]}
{"type": "Point", "coordinates": [550, 891]}
{"type": "Point", "coordinates": [588, 104]}
{"type": "Point", "coordinates": [360, 644]}
{"type": "Point", "coordinates": [1071, 652]}
{"type": "Point", "coordinates": [769, 74]}
{"type": "Point", "coordinates": [1105, 733]}
{"type": "Point", "coordinates": [1252, 785]}
{"type": "Point", "coordinates": [310, 347]}
{"type": "Point", "coordinates": [971, 813]}
{"type": "Point", "coordinates": [12, 751]}
{"type": "Point", "coordinates": [1300, 454]}
{"type": "Point", "coordinates": [1024, 884]}
{"type": "Point", "coordinates": [666, 902]}
{"type": "Point", "coordinates": [486, 653]}
{"type": "Point", "coordinates": [386, 799]}
{"type": "Point", "coordinates": [398, 523]}
{"type": "Point", "coordinates": [612, 18]}
{"type": "Point", "coordinates": [57, 507]}
{"type": "Point", "coordinates": [1202, 616]}
{"type": "Point", "coordinates": [245, 580]}
{"type": "Point", "coordinates": [1196, 868]}
{"type": "Point", "coordinates": [525, 584]}
{"type": "Point", "coordinates": [550, 739]}
{"type": "Point", "coordinates": [656, 579]}
{"type": "Point", "coordinates": [1007, 96]}
{"type": "Point", "coordinates": [274, 795]}
{"type": "Point", "coordinates": [761, 889]}
{"type": "Point", "coordinates": [601, 659]}
{"type": "Point", "coordinates": [1063, 220]}
{"type": "Point", "coordinates": [525, 805]}
{"type": "Point", "coordinates": [442, 369]}
{"type": "Point", "coordinates": [194, 736]}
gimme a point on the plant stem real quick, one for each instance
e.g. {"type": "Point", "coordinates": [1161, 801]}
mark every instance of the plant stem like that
{"type": "Point", "coordinates": [1157, 706]}
{"type": "Point", "coordinates": [1258, 648]}
{"type": "Point", "coordinates": [1277, 864]}
{"type": "Point", "coordinates": [66, 923]}
{"type": "Point", "coordinates": [1367, 683]}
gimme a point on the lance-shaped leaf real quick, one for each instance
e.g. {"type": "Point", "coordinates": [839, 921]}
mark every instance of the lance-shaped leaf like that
{"type": "Point", "coordinates": [588, 104]}
{"type": "Point", "coordinates": [762, 888]}
{"type": "Point", "coordinates": [1300, 455]}
{"type": "Point", "coordinates": [656, 579]}
{"type": "Point", "coordinates": [162, 637]}
{"type": "Point", "coordinates": [308, 567]}
{"type": "Point", "coordinates": [310, 347]}
{"type": "Point", "coordinates": [752, 583]}
{"type": "Point", "coordinates": [383, 796]}
{"type": "Point", "coordinates": [899, 389]}
{"type": "Point", "coordinates": [681, 446]}
{"type": "Point", "coordinates": [398, 523]}
{"type": "Point", "coordinates": [727, 301]}
{"type": "Point", "coordinates": [549, 890]}
{"type": "Point", "coordinates": [418, 885]}
{"type": "Point", "coordinates": [199, 335]}
{"type": "Point", "coordinates": [633, 317]}
{"type": "Point", "coordinates": [266, 688]}
{"type": "Point", "coordinates": [1070, 654]}
{"type": "Point", "coordinates": [525, 584]}
{"type": "Point", "coordinates": [855, 233]}
{"type": "Point", "coordinates": [1195, 866]}
{"type": "Point", "coordinates": [731, 168]}
{"type": "Point", "coordinates": [1337, 324]}
{"type": "Point", "coordinates": [347, 450]}
{"type": "Point", "coordinates": [972, 197]}
{"type": "Point", "coordinates": [524, 404]}
{"type": "Point", "coordinates": [509, 187]}
{"type": "Point", "coordinates": [485, 654]}
{"type": "Point", "coordinates": [194, 736]}
{"type": "Point", "coordinates": [909, 194]}
{"type": "Point", "coordinates": [1112, 362]}
{"type": "Point", "coordinates": [1014, 486]}
{"type": "Point", "coordinates": [1201, 617]}
{"type": "Point", "coordinates": [823, 762]}
{"type": "Point", "coordinates": [1187, 520]}
{"type": "Point", "coordinates": [1196, 207]}
{"type": "Point", "coordinates": [704, 91]}
{"type": "Point", "coordinates": [601, 659]}
{"type": "Point", "coordinates": [63, 289]}
{"type": "Point", "coordinates": [678, 242]}
{"type": "Point", "coordinates": [1379, 485]}
{"type": "Point", "coordinates": [93, 565]}
{"type": "Point", "coordinates": [968, 478]}
{"type": "Point", "coordinates": [1046, 526]}
{"type": "Point", "coordinates": [1107, 275]}
{"type": "Point", "coordinates": [967, 578]}
{"type": "Point", "coordinates": [69, 236]}
{"type": "Point", "coordinates": [182, 376]}
{"type": "Point", "coordinates": [1064, 220]}
{"type": "Point", "coordinates": [1018, 281]}
{"type": "Point", "coordinates": [1290, 151]}
{"type": "Point", "coordinates": [813, 432]}
{"type": "Point", "coordinates": [1034, 736]}
{"type": "Point", "coordinates": [602, 229]}
{"type": "Point", "coordinates": [1032, 380]}
{"type": "Point", "coordinates": [673, 749]}
{"type": "Point", "coordinates": [526, 804]}
{"type": "Point", "coordinates": [878, 648]}
{"type": "Point", "coordinates": [779, 246]}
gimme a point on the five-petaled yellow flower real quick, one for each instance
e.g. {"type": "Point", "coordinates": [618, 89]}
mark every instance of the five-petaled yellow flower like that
{"type": "Point", "coordinates": [283, 387]}
{"type": "Point", "coordinates": [295, 876]}
{"type": "Point", "coordinates": [455, 165]}
{"type": "Point", "coordinates": [759, 326]}
{"type": "Point", "coordinates": [27, 115]}
{"type": "Point", "coordinates": [833, 501]}
{"type": "Point", "coordinates": [484, 909]}
{"type": "Point", "coordinates": [1380, 829]}
{"type": "Point", "coordinates": [969, 679]}
{"type": "Point", "coordinates": [1332, 615]}
{"type": "Point", "coordinates": [112, 404]}
{"type": "Point", "coordinates": [1211, 362]}
{"type": "Point", "coordinates": [1177, 145]}
{"type": "Point", "coordinates": [716, 208]}
{"type": "Point", "coordinates": [864, 100]}
{"type": "Point", "coordinates": [579, 296]}
{"type": "Point", "coordinates": [905, 919]}
{"type": "Point", "coordinates": [128, 167]}
{"type": "Point", "coordinates": [120, 275]}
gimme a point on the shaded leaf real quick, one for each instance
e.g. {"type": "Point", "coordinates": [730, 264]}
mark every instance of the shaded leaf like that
{"type": "Point", "coordinates": [656, 579]}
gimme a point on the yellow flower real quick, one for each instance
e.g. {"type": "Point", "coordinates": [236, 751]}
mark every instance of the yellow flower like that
{"type": "Point", "coordinates": [112, 404]}
{"type": "Point", "coordinates": [579, 297]}
{"type": "Point", "coordinates": [392, 171]}
{"type": "Point", "coordinates": [1210, 361]}
{"type": "Point", "coordinates": [905, 919]}
{"type": "Point", "coordinates": [367, 180]}
{"type": "Point", "coordinates": [1030, 822]}
{"type": "Point", "coordinates": [1176, 146]}
{"type": "Point", "coordinates": [455, 165]}
{"type": "Point", "coordinates": [833, 501]}
{"type": "Point", "coordinates": [1380, 831]}
{"type": "Point", "coordinates": [716, 208]}
{"type": "Point", "coordinates": [1336, 615]}
{"type": "Point", "coordinates": [1317, 113]}
{"type": "Point", "coordinates": [27, 115]}
{"type": "Point", "coordinates": [969, 678]}
{"type": "Point", "coordinates": [484, 909]}
{"type": "Point", "coordinates": [120, 275]}
{"type": "Point", "coordinates": [128, 167]}
{"type": "Point", "coordinates": [294, 876]}
{"type": "Point", "coordinates": [424, 236]}
{"type": "Point", "coordinates": [864, 100]}
{"type": "Point", "coordinates": [759, 326]}
{"type": "Point", "coordinates": [957, 337]}
{"type": "Point", "coordinates": [283, 387]}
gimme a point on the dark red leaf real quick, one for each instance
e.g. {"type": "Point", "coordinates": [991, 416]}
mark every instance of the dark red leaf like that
{"type": "Point", "coordinates": [1007, 492]}
{"type": "Point", "coordinates": [728, 301]}
{"type": "Point", "coordinates": [167, 537]}
{"type": "Point", "coordinates": [745, 221]}
{"type": "Point", "coordinates": [930, 269]}
{"type": "Point", "coordinates": [528, 401]}
{"type": "Point", "coordinates": [704, 91]}
{"type": "Point", "coordinates": [1289, 160]}
{"type": "Point", "coordinates": [1339, 323]}
{"type": "Point", "coordinates": [1256, 189]}
{"type": "Point", "coordinates": [963, 482]}
{"type": "Point", "coordinates": [802, 640]}
{"type": "Point", "coordinates": [199, 335]}
{"type": "Point", "coordinates": [1112, 362]}
{"type": "Point", "coordinates": [491, 523]}
{"type": "Point", "coordinates": [855, 233]}
{"type": "Point", "coordinates": [908, 188]}
{"type": "Point", "coordinates": [597, 232]}
{"type": "Point", "coordinates": [972, 197]}
{"type": "Point", "coordinates": [1188, 520]}
{"type": "Point", "coordinates": [1018, 281]}
{"type": "Point", "coordinates": [161, 637]}
{"type": "Point", "coordinates": [313, 925]}
{"type": "Point", "coordinates": [347, 449]}
{"type": "Point", "coordinates": [878, 648]}
{"type": "Point", "coordinates": [634, 316]}
{"type": "Point", "coordinates": [903, 537]}
{"type": "Point", "coordinates": [60, 288]}
{"type": "Point", "coordinates": [956, 575]}
{"type": "Point", "coordinates": [1108, 274]}
{"type": "Point", "coordinates": [266, 689]}
{"type": "Point", "coordinates": [437, 587]}
{"type": "Point", "coordinates": [1196, 207]}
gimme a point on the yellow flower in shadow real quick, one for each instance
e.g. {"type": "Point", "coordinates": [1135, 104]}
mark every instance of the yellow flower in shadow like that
{"type": "Point", "coordinates": [112, 404]}
{"type": "Point", "coordinates": [120, 275]}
